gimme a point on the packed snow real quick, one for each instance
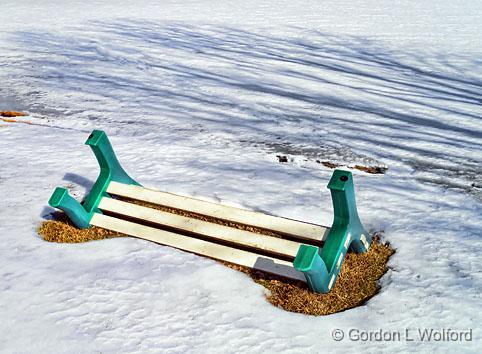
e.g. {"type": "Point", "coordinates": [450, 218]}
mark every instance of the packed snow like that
{"type": "Point", "coordinates": [198, 98]}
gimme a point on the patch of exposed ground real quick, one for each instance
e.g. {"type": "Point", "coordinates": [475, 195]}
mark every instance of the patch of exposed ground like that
{"type": "Point", "coordinates": [357, 282]}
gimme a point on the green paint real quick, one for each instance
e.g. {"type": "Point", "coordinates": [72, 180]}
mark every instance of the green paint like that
{"type": "Point", "coordinates": [110, 170]}
{"type": "Point", "coordinates": [321, 267]}
{"type": "Point", "coordinates": [61, 199]}
{"type": "Point", "coordinates": [309, 262]}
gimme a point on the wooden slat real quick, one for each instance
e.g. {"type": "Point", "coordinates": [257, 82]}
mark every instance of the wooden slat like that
{"type": "Point", "coordinates": [201, 227]}
{"type": "Point", "coordinates": [201, 247]}
{"type": "Point", "coordinates": [295, 228]}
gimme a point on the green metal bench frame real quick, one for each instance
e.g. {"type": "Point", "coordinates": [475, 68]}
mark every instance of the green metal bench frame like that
{"type": "Point", "coordinates": [320, 265]}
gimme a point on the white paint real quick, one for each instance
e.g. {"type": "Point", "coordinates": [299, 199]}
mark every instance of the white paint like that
{"type": "Point", "coordinates": [340, 260]}
{"type": "Point", "coordinates": [201, 247]}
{"type": "Point", "coordinates": [215, 231]}
{"type": "Point", "coordinates": [292, 227]}
{"type": "Point", "coordinates": [363, 239]}
{"type": "Point", "coordinates": [347, 242]}
{"type": "Point", "coordinates": [332, 281]}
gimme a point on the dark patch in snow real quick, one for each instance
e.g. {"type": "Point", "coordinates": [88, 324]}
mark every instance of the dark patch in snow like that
{"type": "Point", "coordinates": [282, 158]}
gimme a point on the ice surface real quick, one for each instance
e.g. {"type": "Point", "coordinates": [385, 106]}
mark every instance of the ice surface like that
{"type": "Point", "coordinates": [198, 98]}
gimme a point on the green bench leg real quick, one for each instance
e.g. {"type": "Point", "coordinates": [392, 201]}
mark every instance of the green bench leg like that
{"type": "Point", "coordinates": [321, 267]}
{"type": "Point", "coordinates": [110, 170]}
{"type": "Point", "coordinates": [309, 262]}
{"type": "Point", "coordinates": [61, 199]}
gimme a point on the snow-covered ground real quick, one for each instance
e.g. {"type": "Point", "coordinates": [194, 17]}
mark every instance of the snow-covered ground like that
{"type": "Point", "coordinates": [198, 98]}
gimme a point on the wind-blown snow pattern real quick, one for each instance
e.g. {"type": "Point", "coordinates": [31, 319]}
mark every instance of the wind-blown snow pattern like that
{"type": "Point", "coordinates": [198, 98]}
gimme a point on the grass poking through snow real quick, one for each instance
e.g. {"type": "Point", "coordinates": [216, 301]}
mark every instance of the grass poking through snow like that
{"type": "Point", "coordinates": [357, 282]}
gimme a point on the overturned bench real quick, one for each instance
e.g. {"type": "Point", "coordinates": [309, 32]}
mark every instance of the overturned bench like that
{"type": "Point", "coordinates": [281, 246]}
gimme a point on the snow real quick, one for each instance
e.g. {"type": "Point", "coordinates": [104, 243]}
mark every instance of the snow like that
{"type": "Point", "coordinates": [198, 98]}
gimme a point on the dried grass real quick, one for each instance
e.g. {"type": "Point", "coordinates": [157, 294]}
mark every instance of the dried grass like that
{"type": "Point", "coordinates": [368, 169]}
{"type": "Point", "coordinates": [357, 282]}
{"type": "Point", "coordinates": [12, 114]}
{"type": "Point", "coordinates": [62, 230]}
{"type": "Point", "coordinates": [374, 170]}
{"type": "Point", "coordinates": [6, 116]}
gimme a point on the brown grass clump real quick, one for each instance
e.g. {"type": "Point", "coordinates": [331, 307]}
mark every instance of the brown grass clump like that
{"type": "Point", "coordinates": [9, 120]}
{"type": "Point", "coordinates": [368, 169]}
{"type": "Point", "coordinates": [330, 164]}
{"type": "Point", "coordinates": [6, 116]}
{"type": "Point", "coordinates": [11, 114]}
{"type": "Point", "coordinates": [357, 282]}
{"type": "Point", "coordinates": [374, 170]}
{"type": "Point", "coordinates": [63, 231]}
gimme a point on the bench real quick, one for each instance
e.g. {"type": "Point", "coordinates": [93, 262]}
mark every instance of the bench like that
{"type": "Point", "coordinates": [285, 247]}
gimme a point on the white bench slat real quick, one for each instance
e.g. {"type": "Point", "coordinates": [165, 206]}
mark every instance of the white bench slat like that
{"type": "Point", "coordinates": [205, 248]}
{"type": "Point", "coordinates": [278, 224]}
{"type": "Point", "coordinates": [216, 231]}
